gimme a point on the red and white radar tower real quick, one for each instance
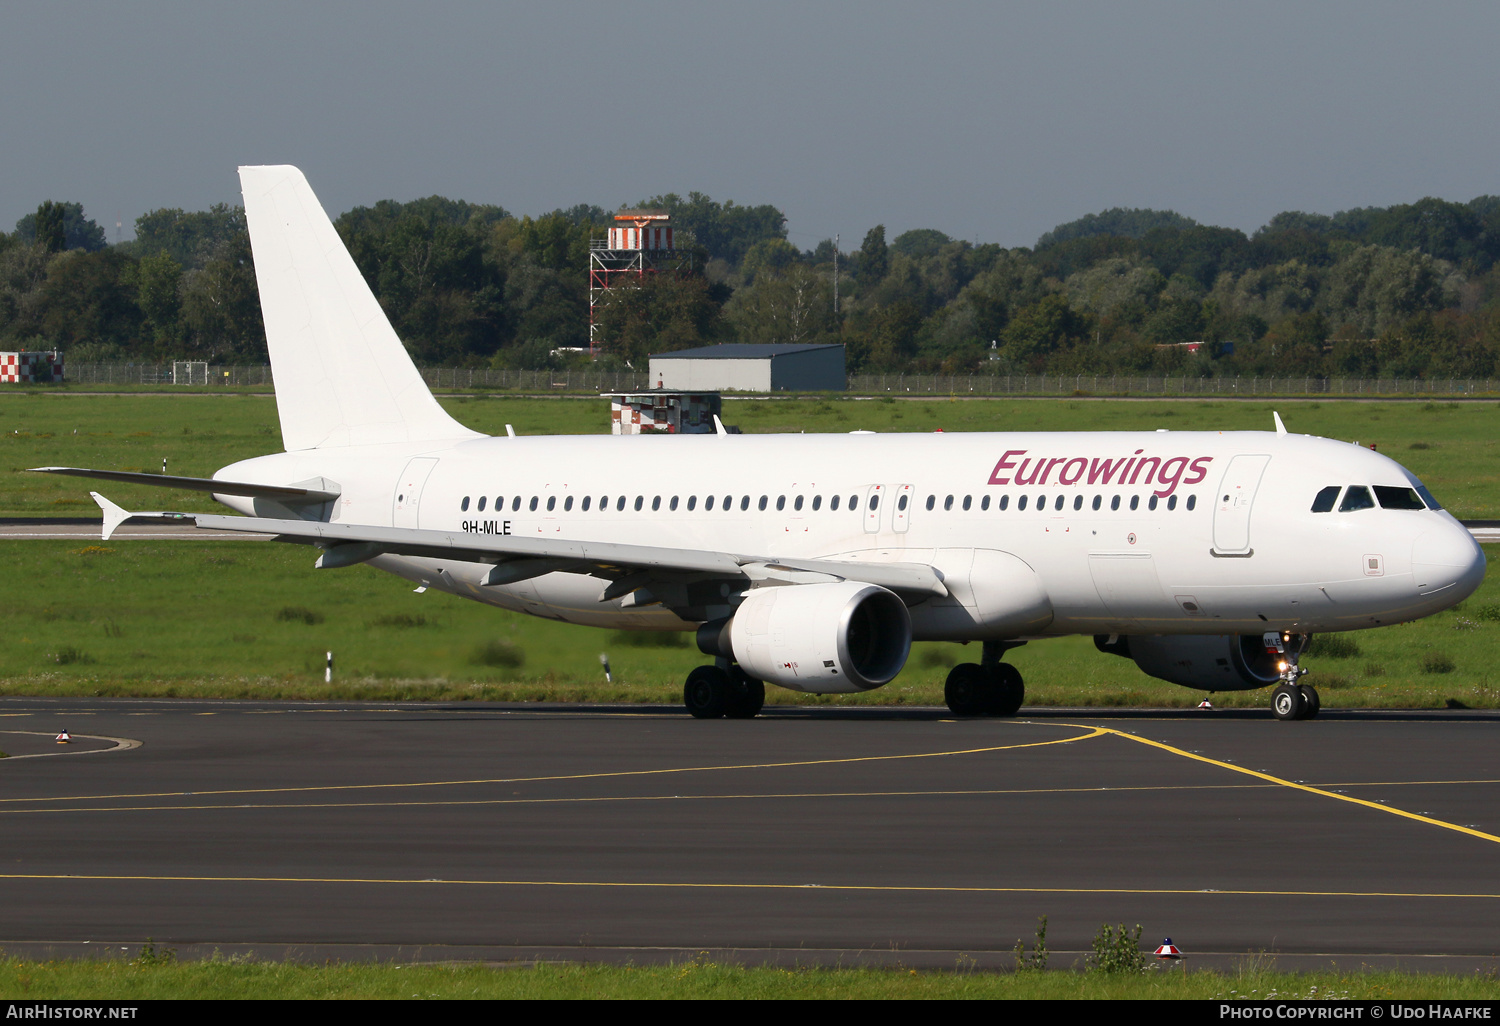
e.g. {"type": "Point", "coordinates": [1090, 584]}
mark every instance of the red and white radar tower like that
{"type": "Point", "coordinates": [641, 242]}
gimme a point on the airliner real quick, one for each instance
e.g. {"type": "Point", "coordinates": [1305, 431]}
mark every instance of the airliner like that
{"type": "Point", "coordinates": [814, 561]}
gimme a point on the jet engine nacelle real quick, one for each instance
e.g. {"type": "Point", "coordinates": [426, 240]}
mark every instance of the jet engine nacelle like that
{"type": "Point", "coordinates": [824, 638]}
{"type": "Point", "coordinates": [1208, 662]}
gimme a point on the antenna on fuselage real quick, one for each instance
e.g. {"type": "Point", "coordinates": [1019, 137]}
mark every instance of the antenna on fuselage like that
{"type": "Point", "coordinates": [1280, 427]}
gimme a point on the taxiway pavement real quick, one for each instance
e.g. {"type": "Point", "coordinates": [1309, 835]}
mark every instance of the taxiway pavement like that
{"type": "Point", "coordinates": [499, 832]}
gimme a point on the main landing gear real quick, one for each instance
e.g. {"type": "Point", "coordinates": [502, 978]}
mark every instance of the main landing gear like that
{"type": "Point", "coordinates": [986, 688]}
{"type": "Point", "coordinates": [1291, 700]}
{"type": "Point", "coordinates": [723, 690]}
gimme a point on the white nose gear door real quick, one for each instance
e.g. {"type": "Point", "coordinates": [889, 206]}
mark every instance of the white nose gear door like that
{"type": "Point", "coordinates": [1232, 505]}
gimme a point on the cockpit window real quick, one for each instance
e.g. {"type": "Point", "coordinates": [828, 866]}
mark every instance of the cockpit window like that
{"type": "Point", "coordinates": [1325, 500]}
{"type": "Point", "coordinates": [1427, 498]}
{"type": "Point", "coordinates": [1357, 497]}
{"type": "Point", "coordinates": [1398, 498]}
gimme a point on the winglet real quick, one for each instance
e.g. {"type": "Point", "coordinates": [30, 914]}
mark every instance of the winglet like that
{"type": "Point", "coordinates": [719, 426]}
{"type": "Point", "coordinates": [1280, 427]}
{"type": "Point", "coordinates": [114, 515]}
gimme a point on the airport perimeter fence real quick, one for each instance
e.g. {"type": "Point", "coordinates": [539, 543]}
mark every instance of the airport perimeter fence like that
{"type": "Point", "coordinates": [588, 381]}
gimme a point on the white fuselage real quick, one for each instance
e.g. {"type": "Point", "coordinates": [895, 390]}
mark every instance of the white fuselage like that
{"type": "Point", "coordinates": [1044, 534]}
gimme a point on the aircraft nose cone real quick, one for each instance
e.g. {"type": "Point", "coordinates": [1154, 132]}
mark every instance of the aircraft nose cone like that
{"type": "Point", "coordinates": [1447, 557]}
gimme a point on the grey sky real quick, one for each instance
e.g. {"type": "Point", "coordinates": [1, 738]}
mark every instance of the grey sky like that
{"type": "Point", "coordinates": [990, 121]}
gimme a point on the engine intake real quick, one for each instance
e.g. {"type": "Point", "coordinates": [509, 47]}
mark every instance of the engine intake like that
{"type": "Point", "coordinates": [1208, 662]}
{"type": "Point", "coordinates": [822, 638]}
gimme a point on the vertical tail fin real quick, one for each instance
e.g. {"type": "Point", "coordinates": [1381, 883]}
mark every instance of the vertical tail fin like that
{"type": "Point", "coordinates": [342, 376]}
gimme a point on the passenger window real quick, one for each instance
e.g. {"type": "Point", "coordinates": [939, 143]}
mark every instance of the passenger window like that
{"type": "Point", "coordinates": [1151, 503]}
{"type": "Point", "coordinates": [901, 503]}
{"type": "Point", "coordinates": [874, 502]}
{"type": "Point", "coordinates": [1041, 503]}
{"type": "Point", "coordinates": [745, 503]}
{"type": "Point", "coordinates": [620, 504]}
{"type": "Point", "coordinates": [728, 502]}
{"type": "Point", "coordinates": [797, 503]}
{"type": "Point", "coordinates": [671, 505]}
{"type": "Point", "coordinates": [586, 503]}
{"type": "Point", "coordinates": [551, 503]}
{"type": "Point", "coordinates": [692, 502]}
{"type": "Point", "coordinates": [1004, 503]}
{"type": "Point", "coordinates": [1098, 501]}
{"type": "Point", "coordinates": [762, 504]}
{"type": "Point", "coordinates": [464, 506]}
{"type": "Point", "coordinates": [817, 502]}
{"type": "Point", "coordinates": [833, 502]}
{"type": "Point", "coordinates": [931, 502]}
{"type": "Point", "coordinates": [533, 503]}
{"type": "Point", "coordinates": [1058, 504]}
{"type": "Point", "coordinates": [481, 503]}
{"type": "Point", "coordinates": [1323, 502]}
{"type": "Point", "coordinates": [1192, 501]}
{"type": "Point", "coordinates": [1357, 497]}
{"type": "Point", "coordinates": [708, 503]}
{"type": "Point", "coordinates": [948, 503]}
{"type": "Point", "coordinates": [1171, 502]}
{"type": "Point", "coordinates": [515, 504]}
{"type": "Point", "coordinates": [1114, 502]}
{"type": "Point", "coordinates": [1389, 498]}
{"type": "Point", "coordinates": [1021, 502]}
{"type": "Point", "coordinates": [1135, 502]}
{"type": "Point", "coordinates": [853, 503]}
{"type": "Point", "coordinates": [655, 503]}
{"type": "Point", "coordinates": [499, 503]}
{"type": "Point", "coordinates": [967, 501]}
{"type": "Point", "coordinates": [780, 503]}
{"type": "Point", "coordinates": [1078, 502]}
{"type": "Point", "coordinates": [639, 502]}
{"type": "Point", "coordinates": [984, 502]}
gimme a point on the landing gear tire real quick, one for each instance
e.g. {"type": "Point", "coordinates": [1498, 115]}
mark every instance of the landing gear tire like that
{"type": "Point", "coordinates": [747, 696]}
{"type": "Point", "coordinates": [1009, 690]}
{"type": "Point", "coordinates": [708, 693]}
{"type": "Point", "coordinates": [1310, 696]}
{"type": "Point", "coordinates": [1289, 703]}
{"type": "Point", "coordinates": [975, 690]}
{"type": "Point", "coordinates": [968, 690]}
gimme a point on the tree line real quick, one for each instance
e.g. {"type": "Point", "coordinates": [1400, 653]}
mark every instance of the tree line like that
{"type": "Point", "coordinates": [1403, 291]}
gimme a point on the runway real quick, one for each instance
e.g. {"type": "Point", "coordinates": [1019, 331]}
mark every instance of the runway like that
{"type": "Point", "coordinates": [809, 835]}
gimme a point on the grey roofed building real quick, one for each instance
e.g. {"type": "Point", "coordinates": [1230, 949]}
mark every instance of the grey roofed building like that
{"type": "Point", "coordinates": [752, 368]}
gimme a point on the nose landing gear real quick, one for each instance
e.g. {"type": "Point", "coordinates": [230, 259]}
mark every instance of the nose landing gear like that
{"type": "Point", "coordinates": [1291, 700]}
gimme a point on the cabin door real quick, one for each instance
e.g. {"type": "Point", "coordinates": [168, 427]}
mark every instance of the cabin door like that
{"type": "Point", "coordinates": [409, 491]}
{"type": "Point", "coordinates": [1232, 505]}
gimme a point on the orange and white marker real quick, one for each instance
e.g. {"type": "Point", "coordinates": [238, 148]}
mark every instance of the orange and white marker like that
{"type": "Point", "coordinates": [1205, 704]}
{"type": "Point", "coordinates": [1168, 950]}
{"type": "Point", "coordinates": [64, 739]}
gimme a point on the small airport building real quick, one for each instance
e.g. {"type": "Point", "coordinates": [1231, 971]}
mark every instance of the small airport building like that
{"type": "Point", "coordinates": [752, 368]}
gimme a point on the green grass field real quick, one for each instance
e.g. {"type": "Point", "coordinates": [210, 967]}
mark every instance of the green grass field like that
{"type": "Point", "coordinates": [158, 978]}
{"type": "Point", "coordinates": [252, 619]}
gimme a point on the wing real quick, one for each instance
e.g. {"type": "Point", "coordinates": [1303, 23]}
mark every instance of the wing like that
{"type": "Point", "coordinates": [627, 568]}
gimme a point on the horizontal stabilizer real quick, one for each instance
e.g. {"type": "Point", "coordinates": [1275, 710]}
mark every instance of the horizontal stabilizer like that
{"type": "Point", "coordinates": [282, 493]}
